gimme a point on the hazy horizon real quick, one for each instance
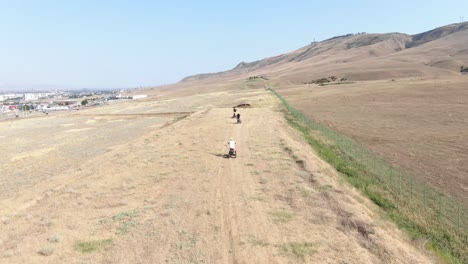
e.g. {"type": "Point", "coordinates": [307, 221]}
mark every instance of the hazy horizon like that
{"type": "Point", "coordinates": [62, 88]}
{"type": "Point", "coordinates": [129, 44]}
{"type": "Point", "coordinates": [41, 90]}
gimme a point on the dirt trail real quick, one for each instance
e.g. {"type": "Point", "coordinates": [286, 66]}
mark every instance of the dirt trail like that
{"type": "Point", "coordinates": [171, 197]}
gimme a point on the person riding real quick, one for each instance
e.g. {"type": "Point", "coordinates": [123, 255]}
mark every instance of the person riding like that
{"type": "Point", "coordinates": [232, 145]}
{"type": "Point", "coordinates": [238, 117]}
{"type": "Point", "coordinates": [234, 111]}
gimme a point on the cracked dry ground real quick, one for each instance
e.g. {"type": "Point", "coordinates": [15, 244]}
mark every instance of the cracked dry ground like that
{"type": "Point", "coordinates": [169, 196]}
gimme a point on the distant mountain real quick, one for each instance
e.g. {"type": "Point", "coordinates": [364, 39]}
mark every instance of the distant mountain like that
{"type": "Point", "coordinates": [438, 52]}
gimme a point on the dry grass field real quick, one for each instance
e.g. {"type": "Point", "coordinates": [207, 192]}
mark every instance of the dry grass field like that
{"type": "Point", "coordinates": [418, 125]}
{"type": "Point", "coordinates": [146, 182]}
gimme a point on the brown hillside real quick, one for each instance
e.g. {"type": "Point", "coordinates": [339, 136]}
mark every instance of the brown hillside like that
{"type": "Point", "coordinates": [437, 33]}
{"type": "Point", "coordinates": [435, 53]}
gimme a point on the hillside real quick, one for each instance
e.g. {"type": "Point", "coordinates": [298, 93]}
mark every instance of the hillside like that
{"type": "Point", "coordinates": [363, 57]}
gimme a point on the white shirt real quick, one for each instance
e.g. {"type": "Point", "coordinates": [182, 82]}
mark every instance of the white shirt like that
{"type": "Point", "coordinates": [232, 144]}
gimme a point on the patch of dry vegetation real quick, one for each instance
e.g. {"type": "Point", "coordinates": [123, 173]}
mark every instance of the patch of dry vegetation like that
{"type": "Point", "coordinates": [282, 216]}
{"type": "Point", "coordinates": [298, 250]}
{"type": "Point", "coordinates": [92, 245]}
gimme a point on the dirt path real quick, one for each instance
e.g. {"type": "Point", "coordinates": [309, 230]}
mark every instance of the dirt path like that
{"type": "Point", "coordinates": [171, 197]}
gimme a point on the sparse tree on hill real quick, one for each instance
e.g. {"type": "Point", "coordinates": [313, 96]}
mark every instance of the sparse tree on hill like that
{"type": "Point", "coordinates": [84, 102]}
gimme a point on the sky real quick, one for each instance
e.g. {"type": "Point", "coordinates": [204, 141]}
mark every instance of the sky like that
{"type": "Point", "coordinates": [96, 44]}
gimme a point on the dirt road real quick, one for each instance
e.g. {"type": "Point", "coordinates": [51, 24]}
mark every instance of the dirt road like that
{"type": "Point", "coordinates": [169, 196]}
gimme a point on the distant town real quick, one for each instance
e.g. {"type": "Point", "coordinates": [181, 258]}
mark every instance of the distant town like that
{"type": "Point", "coordinates": [18, 104]}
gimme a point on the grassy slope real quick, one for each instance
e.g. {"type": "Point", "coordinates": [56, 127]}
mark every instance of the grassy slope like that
{"type": "Point", "coordinates": [447, 242]}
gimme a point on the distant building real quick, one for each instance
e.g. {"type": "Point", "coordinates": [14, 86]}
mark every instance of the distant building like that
{"type": "Point", "coordinates": [11, 96]}
{"type": "Point", "coordinates": [55, 108]}
{"type": "Point", "coordinates": [139, 96]}
{"type": "Point", "coordinates": [42, 107]}
{"type": "Point", "coordinates": [30, 96]}
{"type": "Point", "coordinates": [4, 108]}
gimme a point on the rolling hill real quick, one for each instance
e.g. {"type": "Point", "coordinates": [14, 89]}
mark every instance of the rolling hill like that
{"type": "Point", "coordinates": [436, 53]}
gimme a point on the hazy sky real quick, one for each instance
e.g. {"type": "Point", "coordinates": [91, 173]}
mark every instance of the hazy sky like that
{"type": "Point", "coordinates": [113, 44]}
